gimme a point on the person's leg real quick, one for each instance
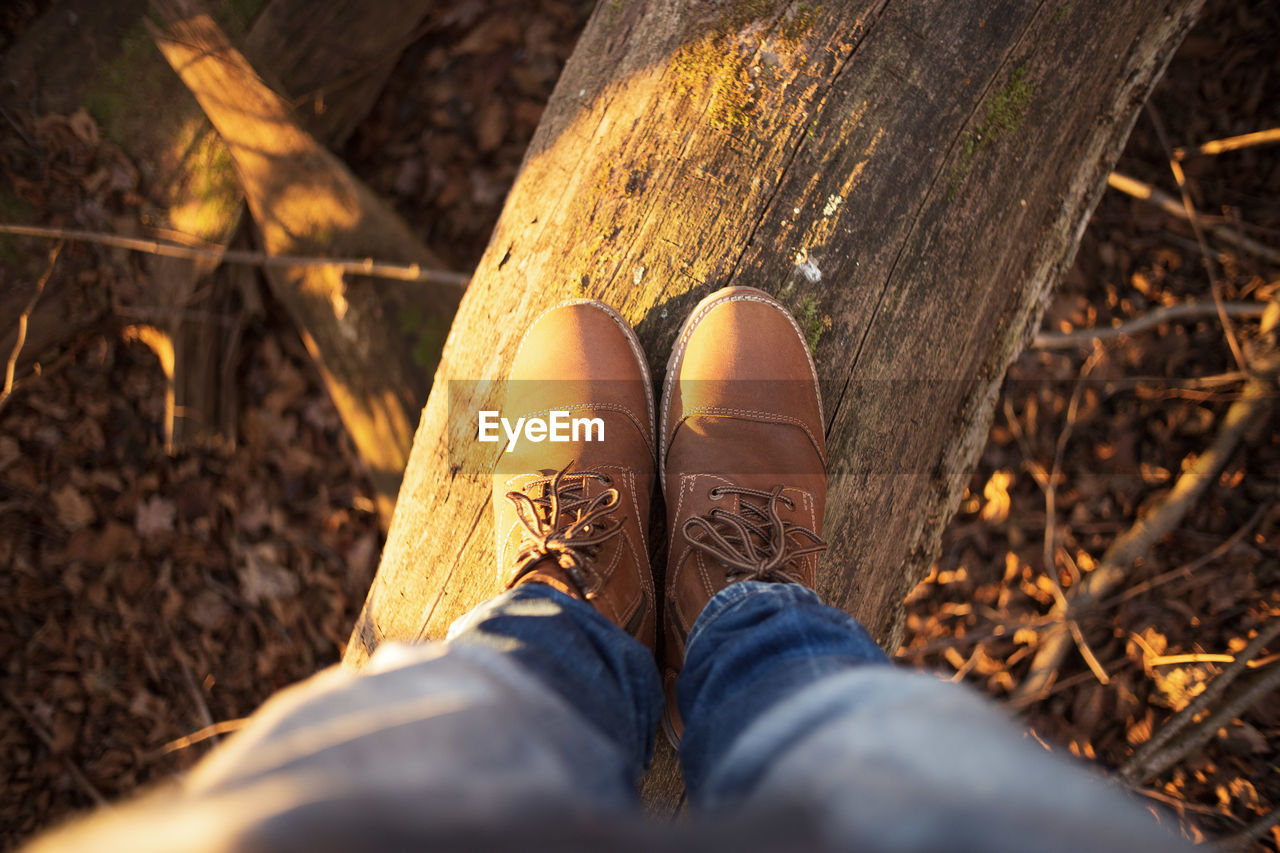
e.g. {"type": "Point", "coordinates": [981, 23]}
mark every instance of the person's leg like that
{"type": "Point", "coordinates": [538, 706]}
{"type": "Point", "coordinates": [542, 705]}
{"type": "Point", "coordinates": [754, 644]}
{"type": "Point", "coordinates": [788, 700]}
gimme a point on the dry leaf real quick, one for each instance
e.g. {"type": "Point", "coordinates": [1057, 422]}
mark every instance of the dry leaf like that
{"type": "Point", "coordinates": [155, 516]}
{"type": "Point", "coordinates": [996, 491]}
{"type": "Point", "coordinates": [74, 510]}
{"type": "Point", "coordinates": [262, 578]}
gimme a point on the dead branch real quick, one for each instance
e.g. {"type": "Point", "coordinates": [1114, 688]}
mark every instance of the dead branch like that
{"type": "Point", "coordinates": [1135, 542]}
{"type": "Point", "coordinates": [197, 695]}
{"type": "Point", "coordinates": [1230, 143]}
{"type": "Point", "coordinates": [23, 319]}
{"type": "Point", "coordinates": [212, 730]}
{"type": "Point", "coordinates": [1145, 192]}
{"type": "Point", "coordinates": [1152, 757]}
{"type": "Point", "coordinates": [348, 266]}
{"type": "Point", "coordinates": [1050, 487]}
{"type": "Point", "coordinates": [1210, 267]}
{"type": "Point", "coordinates": [1185, 312]}
{"type": "Point", "coordinates": [1187, 569]}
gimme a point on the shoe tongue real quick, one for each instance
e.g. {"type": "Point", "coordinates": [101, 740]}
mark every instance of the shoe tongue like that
{"type": "Point", "coordinates": [549, 573]}
{"type": "Point", "coordinates": [576, 493]}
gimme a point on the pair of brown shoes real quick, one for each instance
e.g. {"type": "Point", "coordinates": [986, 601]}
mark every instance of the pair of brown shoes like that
{"type": "Point", "coordinates": [740, 451]}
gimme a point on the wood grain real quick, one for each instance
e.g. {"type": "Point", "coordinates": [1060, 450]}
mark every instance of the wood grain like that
{"type": "Point", "coordinates": [911, 178]}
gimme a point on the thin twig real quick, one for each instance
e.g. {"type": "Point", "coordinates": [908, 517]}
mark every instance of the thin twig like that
{"type": "Point", "coordinates": [1046, 481]}
{"type": "Point", "coordinates": [1060, 449]}
{"type": "Point", "coordinates": [1145, 192]}
{"type": "Point", "coordinates": [1211, 269]}
{"type": "Point", "coordinates": [1186, 569]}
{"type": "Point", "coordinates": [1065, 684]}
{"type": "Point", "coordinates": [351, 266]}
{"type": "Point", "coordinates": [1050, 515]}
{"type": "Point", "coordinates": [23, 320]}
{"type": "Point", "coordinates": [1195, 657]}
{"type": "Point", "coordinates": [18, 128]}
{"type": "Point", "coordinates": [1184, 312]}
{"type": "Point", "coordinates": [1180, 806]}
{"type": "Point", "coordinates": [1230, 143]}
{"type": "Point", "coordinates": [213, 730]}
{"type": "Point", "coordinates": [202, 707]}
{"type": "Point", "coordinates": [1137, 768]}
{"type": "Point", "coordinates": [47, 739]}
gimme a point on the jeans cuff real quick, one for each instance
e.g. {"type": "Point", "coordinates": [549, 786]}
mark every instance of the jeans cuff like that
{"type": "Point", "coordinates": [735, 593]}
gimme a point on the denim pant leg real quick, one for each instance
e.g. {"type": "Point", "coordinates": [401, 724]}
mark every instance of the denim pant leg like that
{"type": "Point", "coordinates": [882, 758]}
{"type": "Point", "coordinates": [538, 712]}
{"type": "Point", "coordinates": [753, 645]}
{"type": "Point", "coordinates": [604, 674]}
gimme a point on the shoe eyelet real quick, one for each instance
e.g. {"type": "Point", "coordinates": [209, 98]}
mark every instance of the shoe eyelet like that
{"type": "Point", "coordinates": [607, 480]}
{"type": "Point", "coordinates": [716, 493]}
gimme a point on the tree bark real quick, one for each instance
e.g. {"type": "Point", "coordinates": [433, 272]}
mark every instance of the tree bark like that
{"type": "Point", "coordinates": [911, 178]}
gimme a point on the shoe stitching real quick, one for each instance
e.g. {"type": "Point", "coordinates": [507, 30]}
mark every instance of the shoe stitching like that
{"type": "Point", "coordinates": [687, 484]}
{"type": "Point", "coordinates": [616, 408]}
{"type": "Point", "coordinates": [676, 356]}
{"type": "Point", "coordinates": [630, 477]}
{"type": "Point", "coordinates": [769, 417]}
{"type": "Point", "coordinates": [636, 350]}
{"type": "Point", "coordinates": [632, 342]}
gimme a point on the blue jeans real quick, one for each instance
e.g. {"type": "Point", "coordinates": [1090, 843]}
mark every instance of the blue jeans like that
{"type": "Point", "coordinates": [530, 725]}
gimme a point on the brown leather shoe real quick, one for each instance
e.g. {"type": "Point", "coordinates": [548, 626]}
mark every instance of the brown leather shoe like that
{"type": "Point", "coordinates": [744, 460]}
{"type": "Point", "coordinates": [574, 514]}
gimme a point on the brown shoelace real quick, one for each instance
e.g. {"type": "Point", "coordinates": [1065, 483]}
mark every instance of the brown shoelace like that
{"type": "Point", "coordinates": [755, 543]}
{"type": "Point", "coordinates": [564, 524]}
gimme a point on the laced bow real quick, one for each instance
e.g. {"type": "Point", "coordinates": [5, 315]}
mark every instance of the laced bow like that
{"type": "Point", "coordinates": [755, 543]}
{"type": "Point", "coordinates": [564, 524]}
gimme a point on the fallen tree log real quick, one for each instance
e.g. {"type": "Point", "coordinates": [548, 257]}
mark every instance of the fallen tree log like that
{"type": "Point", "coordinates": [330, 59]}
{"type": "Point", "coordinates": [912, 178]}
{"type": "Point", "coordinates": [306, 202]}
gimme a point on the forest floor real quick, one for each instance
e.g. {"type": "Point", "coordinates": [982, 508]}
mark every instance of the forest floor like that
{"type": "Point", "coordinates": [144, 596]}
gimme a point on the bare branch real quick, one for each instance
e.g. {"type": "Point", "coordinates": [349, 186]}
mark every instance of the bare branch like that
{"type": "Point", "coordinates": [1211, 270]}
{"type": "Point", "coordinates": [348, 266]}
{"type": "Point", "coordinates": [209, 731]}
{"type": "Point", "coordinates": [23, 320]}
{"type": "Point", "coordinates": [1145, 192]}
{"type": "Point", "coordinates": [76, 773]}
{"type": "Point", "coordinates": [1230, 143]}
{"type": "Point", "coordinates": [1244, 839]}
{"type": "Point", "coordinates": [1185, 312]}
